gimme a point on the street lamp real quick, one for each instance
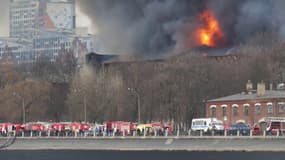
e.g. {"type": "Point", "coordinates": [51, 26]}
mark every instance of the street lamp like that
{"type": "Point", "coordinates": [138, 102]}
{"type": "Point", "coordinates": [85, 108]}
{"type": "Point", "coordinates": [23, 106]}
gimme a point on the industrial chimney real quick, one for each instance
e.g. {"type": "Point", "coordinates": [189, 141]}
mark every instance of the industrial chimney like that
{"type": "Point", "coordinates": [271, 86]}
{"type": "Point", "coordinates": [261, 89]}
{"type": "Point", "coordinates": [249, 86]}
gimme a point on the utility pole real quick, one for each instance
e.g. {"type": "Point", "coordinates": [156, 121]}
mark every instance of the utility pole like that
{"type": "Point", "coordinates": [24, 110]}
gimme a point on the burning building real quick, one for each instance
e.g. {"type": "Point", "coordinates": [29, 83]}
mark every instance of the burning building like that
{"type": "Point", "coordinates": [209, 33]}
{"type": "Point", "coordinates": [150, 27]}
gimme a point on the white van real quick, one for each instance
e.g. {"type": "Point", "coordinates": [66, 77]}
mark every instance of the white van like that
{"type": "Point", "coordinates": [207, 124]}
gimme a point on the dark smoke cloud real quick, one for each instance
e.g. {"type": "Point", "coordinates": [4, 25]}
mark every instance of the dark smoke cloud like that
{"type": "Point", "coordinates": [4, 22]}
{"type": "Point", "coordinates": [163, 26]}
{"type": "Point", "coordinates": [243, 19]}
{"type": "Point", "coordinates": [142, 26]}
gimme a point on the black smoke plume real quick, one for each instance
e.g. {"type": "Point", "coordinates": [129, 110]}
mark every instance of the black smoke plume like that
{"type": "Point", "coordinates": [156, 27]}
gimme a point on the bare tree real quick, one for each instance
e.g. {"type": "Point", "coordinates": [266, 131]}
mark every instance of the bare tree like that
{"type": "Point", "coordinates": [25, 98]}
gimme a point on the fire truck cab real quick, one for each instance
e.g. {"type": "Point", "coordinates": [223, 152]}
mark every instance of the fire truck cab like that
{"type": "Point", "coordinates": [272, 125]}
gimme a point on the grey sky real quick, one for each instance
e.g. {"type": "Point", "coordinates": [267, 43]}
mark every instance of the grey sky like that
{"type": "Point", "coordinates": [4, 25]}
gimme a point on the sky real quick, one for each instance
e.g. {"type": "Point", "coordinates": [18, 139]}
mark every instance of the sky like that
{"type": "Point", "coordinates": [82, 20]}
{"type": "Point", "coordinates": [4, 30]}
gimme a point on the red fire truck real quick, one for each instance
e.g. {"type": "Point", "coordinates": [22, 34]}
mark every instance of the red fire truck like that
{"type": "Point", "coordinates": [80, 127]}
{"type": "Point", "coordinates": [34, 127]}
{"type": "Point", "coordinates": [120, 127]}
{"type": "Point", "coordinates": [272, 125]}
{"type": "Point", "coordinates": [162, 127]}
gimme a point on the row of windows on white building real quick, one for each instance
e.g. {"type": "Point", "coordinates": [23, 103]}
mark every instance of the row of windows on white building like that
{"type": "Point", "coordinates": [257, 109]}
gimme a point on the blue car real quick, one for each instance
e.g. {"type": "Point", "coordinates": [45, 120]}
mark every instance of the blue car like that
{"type": "Point", "coordinates": [241, 127]}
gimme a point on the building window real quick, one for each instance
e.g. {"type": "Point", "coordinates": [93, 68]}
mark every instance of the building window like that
{"type": "Point", "coordinates": [257, 108]}
{"type": "Point", "coordinates": [224, 110]}
{"type": "Point", "coordinates": [235, 110]}
{"type": "Point", "coordinates": [246, 109]}
{"type": "Point", "coordinates": [269, 108]}
{"type": "Point", "coordinates": [281, 107]}
{"type": "Point", "coordinates": [213, 112]}
{"type": "Point", "coordinates": [213, 109]}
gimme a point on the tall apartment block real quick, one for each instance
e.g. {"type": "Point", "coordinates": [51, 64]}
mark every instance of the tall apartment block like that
{"type": "Point", "coordinates": [24, 18]}
{"type": "Point", "coordinates": [44, 29]}
{"type": "Point", "coordinates": [29, 17]}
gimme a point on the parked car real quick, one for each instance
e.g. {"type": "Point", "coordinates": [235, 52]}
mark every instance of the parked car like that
{"type": "Point", "coordinates": [241, 127]}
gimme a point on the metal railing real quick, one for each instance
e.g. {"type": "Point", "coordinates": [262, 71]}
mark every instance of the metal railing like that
{"type": "Point", "coordinates": [166, 133]}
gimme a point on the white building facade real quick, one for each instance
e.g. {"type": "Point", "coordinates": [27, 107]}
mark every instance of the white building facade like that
{"type": "Point", "coordinates": [50, 45]}
{"type": "Point", "coordinates": [24, 18]}
{"type": "Point", "coordinates": [47, 28]}
{"type": "Point", "coordinates": [27, 17]}
{"type": "Point", "coordinates": [14, 50]}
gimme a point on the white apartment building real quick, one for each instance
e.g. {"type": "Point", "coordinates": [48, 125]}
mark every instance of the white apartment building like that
{"type": "Point", "coordinates": [51, 44]}
{"type": "Point", "coordinates": [28, 17]}
{"type": "Point", "coordinates": [47, 28]}
{"type": "Point", "coordinates": [14, 50]}
{"type": "Point", "coordinates": [24, 18]}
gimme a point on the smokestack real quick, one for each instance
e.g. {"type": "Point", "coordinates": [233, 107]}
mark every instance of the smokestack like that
{"type": "Point", "coordinates": [271, 86]}
{"type": "Point", "coordinates": [249, 86]}
{"type": "Point", "coordinates": [261, 89]}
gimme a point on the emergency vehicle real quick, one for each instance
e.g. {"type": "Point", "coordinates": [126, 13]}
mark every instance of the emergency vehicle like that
{"type": "Point", "coordinates": [207, 124]}
{"type": "Point", "coordinates": [272, 125]}
{"type": "Point", "coordinates": [120, 127]}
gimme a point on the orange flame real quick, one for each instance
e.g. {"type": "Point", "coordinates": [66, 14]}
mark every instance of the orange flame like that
{"type": "Point", "coordinates": [210, 31]}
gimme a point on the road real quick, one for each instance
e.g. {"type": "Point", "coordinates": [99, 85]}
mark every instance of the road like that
{"type": "Point", "coordinates": [147, 144]}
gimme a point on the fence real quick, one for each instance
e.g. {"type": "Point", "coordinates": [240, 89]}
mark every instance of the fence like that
{"type": "Point", "coordinates": [177, 133]}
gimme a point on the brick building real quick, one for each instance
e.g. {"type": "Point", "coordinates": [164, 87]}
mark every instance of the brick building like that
{"type": "Point", "coordinates": [250, 106]}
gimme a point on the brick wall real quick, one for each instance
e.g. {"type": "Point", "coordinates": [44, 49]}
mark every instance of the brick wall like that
{"type": "Point", "coordinates": [251, 118]}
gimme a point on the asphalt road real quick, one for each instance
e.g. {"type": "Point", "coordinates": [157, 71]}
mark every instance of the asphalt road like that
{"type": "Point", "coordinates": [148, 144]}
